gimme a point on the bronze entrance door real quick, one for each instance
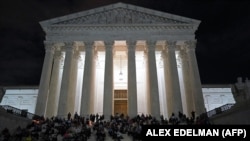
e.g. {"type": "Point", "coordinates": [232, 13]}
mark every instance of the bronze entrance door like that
{"type": "Point", "coordinates": [120, 107]}
{"type": "Point", "coordinates": [120, 102]}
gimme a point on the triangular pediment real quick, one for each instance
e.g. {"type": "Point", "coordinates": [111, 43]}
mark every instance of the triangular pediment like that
{"type": "Point", "coordinates": [119, 13]}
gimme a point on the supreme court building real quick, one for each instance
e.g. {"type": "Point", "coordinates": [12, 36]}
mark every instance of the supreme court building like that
{"type": "Point", "coordinates": [120, 58]}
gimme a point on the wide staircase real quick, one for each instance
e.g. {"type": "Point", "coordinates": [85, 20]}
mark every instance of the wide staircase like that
{"type": "Point", "coordinates": [12, 117]}
{"type": "Point", "coordinates": [108, 138]}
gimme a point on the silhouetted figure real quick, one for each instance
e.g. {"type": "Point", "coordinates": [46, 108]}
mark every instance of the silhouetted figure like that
{"type": "Point", "coordinates": [6, 134]}
{"type": "Point", "coordinates": [69, 116]}
{"type": "Point", "coordinates": [193, 114]}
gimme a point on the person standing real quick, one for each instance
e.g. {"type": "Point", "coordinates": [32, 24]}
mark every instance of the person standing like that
{"type": "Point", "coordinates": [69, 116]}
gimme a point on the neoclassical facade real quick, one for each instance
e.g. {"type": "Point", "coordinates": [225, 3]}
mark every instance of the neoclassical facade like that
{"type": "Point", "coordinates": [120, 58]}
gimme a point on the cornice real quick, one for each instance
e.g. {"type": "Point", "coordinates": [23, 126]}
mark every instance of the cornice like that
{"type": "Point", "coordinates": [134, 27]}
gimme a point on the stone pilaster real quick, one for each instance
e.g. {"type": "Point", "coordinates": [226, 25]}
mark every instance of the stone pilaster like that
{"type": "Point", "coordinates": [45, 79]}
{"type": "Point", "coordinates": [132, 83]}
{"type": "Point", "coordinates": [195, 78]}
{"type": "Point", "coordinates": [108, 81]}
{"type": "Point", "coordinates": [153, 82]}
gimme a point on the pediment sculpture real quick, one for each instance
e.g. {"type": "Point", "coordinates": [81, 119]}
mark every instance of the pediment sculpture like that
{"type": "Point", "coordinates": [120, 16]}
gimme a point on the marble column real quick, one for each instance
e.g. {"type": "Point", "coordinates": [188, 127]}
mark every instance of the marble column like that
{"type": "Point", "coordinates": [195, 78]}
{"type": "Point", "coordinates": [55, 84]}
{"type": "Point", "coordinates": [80, 72]}
{"type": "Point", "coordinates": [132, 83]}
{"type": "Point", "coordinates": [153, 82]}
{"type": "Point", "coordinates": [169, 96]}
{"type": "Point", "coordinates": [45, 80]}
{"type": "Point", "coordinates": [74, 74]}
{"type": "Point", "coordinates": [108, 81]}
{"type": "Point", "coordinates": [173, 85]}
{"type": "Point", "coordinates": [88, 80]}
{"type": "Point", "coordinates": [65, 100]}
{"type": "Point", "coordinates": [189, 101]}
{"type": "Point", "coordinates": [147, 84]}
{"type": "Point", "coordinates": [93, 85]}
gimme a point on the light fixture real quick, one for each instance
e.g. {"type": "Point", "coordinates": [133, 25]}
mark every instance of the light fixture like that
{"type": "Point", "coordinates": [120, 74]}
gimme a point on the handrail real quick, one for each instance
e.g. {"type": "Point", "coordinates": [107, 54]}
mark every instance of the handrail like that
{"type": "Point", "coordinates": [18, 112]}
{"type": "Point", "coordinates": [219, 110]}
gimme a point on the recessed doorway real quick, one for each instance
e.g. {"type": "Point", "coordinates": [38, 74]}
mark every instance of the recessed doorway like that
{"type": "Point", "coordinates": [120, 102]}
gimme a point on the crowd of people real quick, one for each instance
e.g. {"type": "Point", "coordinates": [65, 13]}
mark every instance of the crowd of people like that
{"type": "Point", "coordinates": [74, 128]}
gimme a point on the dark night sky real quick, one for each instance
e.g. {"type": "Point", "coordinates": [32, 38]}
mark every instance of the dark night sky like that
{"type": "Point", "coordinates": [223, 47]}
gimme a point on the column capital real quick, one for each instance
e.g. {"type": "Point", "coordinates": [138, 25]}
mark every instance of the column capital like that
{"type": "Point", "coordinates": [151, 45]}
{"type": "Point", "coordinates": [131, 45]}
{"type": "Point", "coordinates": [48, 43]}
{"type": "Point", "coordinates": [151, 42]}
{"type": "Point", "coordinates": [179, 47]}
{"type": "Point", "coordinates": [58, 46]}
{"type": "Point", "coordinates": [58, 55]}
{"type": "Point", "coordinates": [171, 42]}
{"type": "Point", "coordinates": [170, 45]}
{"type": "Point", "coordinates": [180, 53]}
{"type": "Point", "coordinates": [183, 53]}
{"type": "Point", "coordinates": [109, 45]}
{"type": "Point", "coordinates": [131, 42]}
{"type": "Point", "coordinates": [75, 46]}
{"type": "Point", "coordinates": [49, 48]}
{"type": "Point", "coordinates": [88, 43]}
{"type": "Point", "coordinates": [70, 46]}
{"type": "Point", "coordinates": [191, 44]}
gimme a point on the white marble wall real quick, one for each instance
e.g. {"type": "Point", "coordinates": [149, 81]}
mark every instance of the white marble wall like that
{"type": "Point", "coordinates": [21, 98]}
{"type": "Point", "coordinates": [217, 96]}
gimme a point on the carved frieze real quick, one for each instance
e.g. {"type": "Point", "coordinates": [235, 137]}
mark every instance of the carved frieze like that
{"type": "Point", "coordinates": [113, 27]}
